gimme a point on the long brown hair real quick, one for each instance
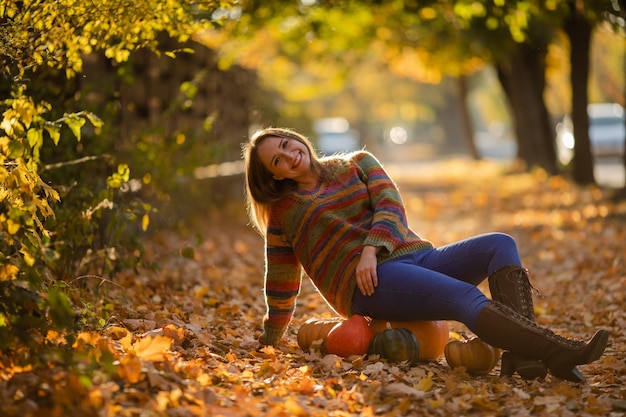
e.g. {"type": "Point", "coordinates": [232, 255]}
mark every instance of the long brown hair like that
{"type": "Point", "coordinates": [261, 188]}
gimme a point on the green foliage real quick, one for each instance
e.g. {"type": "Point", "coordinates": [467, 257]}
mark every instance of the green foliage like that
{"type": "Point", "coordinates": [60, 32]}
{"type": "Point", "coordinates": [424, 40]}
{"type": "Point", "coordinates": [26, 199]}
{"type": "Point", "coordinates": [84, 222]}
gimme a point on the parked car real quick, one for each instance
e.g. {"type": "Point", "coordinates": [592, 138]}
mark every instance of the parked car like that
{"type": "Point", "coordinates": [607, 132]}
{"type": "Point", "coordinates": [334, 135]}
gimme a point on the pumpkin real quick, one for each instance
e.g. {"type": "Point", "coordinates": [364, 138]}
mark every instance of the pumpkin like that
{"type": "Point", "coordinates": [476, 356]}
{"type": "Point", "coordinates": [431, 335]}
{"type": "Point", "coordinates": [352, 337]}
{"type": "Point", "coordinates": [315, 329]}
{"type": "Point", "coordinates": [396, 345]}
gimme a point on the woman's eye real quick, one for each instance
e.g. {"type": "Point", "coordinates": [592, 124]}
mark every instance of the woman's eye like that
{"type": "Point", "coordinates": [284, 144]}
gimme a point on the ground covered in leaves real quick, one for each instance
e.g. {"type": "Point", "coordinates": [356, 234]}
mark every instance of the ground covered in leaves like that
{"type": "Point", "coordinates": [180, 339]}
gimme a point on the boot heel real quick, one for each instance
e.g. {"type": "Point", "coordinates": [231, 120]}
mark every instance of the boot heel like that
{"type": "Point", "coordinates": [525, 368]}
{"type": "Point", "coordinates": [506, 366]}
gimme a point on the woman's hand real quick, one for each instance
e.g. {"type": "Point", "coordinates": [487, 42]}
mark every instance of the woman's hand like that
{"type": "Point", "coordinates": [366, 278]}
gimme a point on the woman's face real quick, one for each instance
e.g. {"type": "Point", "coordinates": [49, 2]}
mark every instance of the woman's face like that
{"type": "Point", "coordinates": [285, 158]}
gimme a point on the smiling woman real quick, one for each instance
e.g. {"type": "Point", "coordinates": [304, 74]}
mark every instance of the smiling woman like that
{"type": "Point", "coordinates": [288, 159]}
{"type": "Point", "coordinates": [341, 220]}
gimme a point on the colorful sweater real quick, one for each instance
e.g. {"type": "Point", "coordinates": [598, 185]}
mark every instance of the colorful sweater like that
{"type": "Point", "coordinates": [323, 231]}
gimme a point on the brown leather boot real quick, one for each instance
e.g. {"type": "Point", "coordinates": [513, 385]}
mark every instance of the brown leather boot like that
{"type": "Point", "coordinates": [502, 327]}
{"type": "Point", "coordinates": [510, 286]}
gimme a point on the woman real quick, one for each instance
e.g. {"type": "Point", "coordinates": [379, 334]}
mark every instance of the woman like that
{"type": "Point", "coordinates": [342, 221]}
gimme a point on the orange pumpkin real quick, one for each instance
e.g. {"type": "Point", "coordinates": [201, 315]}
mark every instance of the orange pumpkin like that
{"type": "Point", "coordinates": [476, 356]}
{"type": "Point", "coordinates": [315, 329]}
{"type": "Point", "coordinates": [352, 337]}
{"type": "Point", "coordinates": [431, 335]}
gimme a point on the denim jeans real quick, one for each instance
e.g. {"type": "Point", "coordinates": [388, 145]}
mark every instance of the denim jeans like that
{"type": "Point", "coordinates": [440, 283]}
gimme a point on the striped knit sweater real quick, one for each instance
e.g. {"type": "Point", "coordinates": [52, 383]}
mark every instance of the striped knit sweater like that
{"type": "Point", "coordinates": [322, 232]}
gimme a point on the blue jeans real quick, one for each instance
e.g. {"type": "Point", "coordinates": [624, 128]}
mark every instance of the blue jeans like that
{"type": "Point", "coordinates": [440, 283]}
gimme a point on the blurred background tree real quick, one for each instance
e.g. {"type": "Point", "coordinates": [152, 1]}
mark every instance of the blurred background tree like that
{"type": "Point", "coordinates": [319, 48]}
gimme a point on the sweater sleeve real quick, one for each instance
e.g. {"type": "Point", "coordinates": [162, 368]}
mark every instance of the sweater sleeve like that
{"type": "Point", "coordinates": [389, 226]}
{"type": "Point", "coordinates": [283, 274]}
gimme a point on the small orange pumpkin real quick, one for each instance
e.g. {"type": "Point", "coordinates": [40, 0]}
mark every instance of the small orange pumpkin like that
{"type": "Point", "coordinates": [352, 337]}
{"type": "Point", "coordinates": [315, 329]}
{"type": "Point", "coordinates": [431, 335]}
{"type": "Point", "coordinates": [476, 356]}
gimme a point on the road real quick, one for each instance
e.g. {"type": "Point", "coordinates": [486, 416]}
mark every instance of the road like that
{"type": "Point", "coordinates": [608, 172]}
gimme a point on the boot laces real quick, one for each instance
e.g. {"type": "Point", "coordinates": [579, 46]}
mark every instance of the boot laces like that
{"type": "Point", "coordinates": [522, 276]}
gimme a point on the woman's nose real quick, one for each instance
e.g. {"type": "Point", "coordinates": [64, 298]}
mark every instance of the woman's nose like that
{"type": "Point", "coordinates": [287, 155]}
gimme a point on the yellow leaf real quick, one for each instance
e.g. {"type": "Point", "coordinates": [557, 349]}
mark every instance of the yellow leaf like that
{"type": "Point", "coordinates": [8, 272]}
{"type": "Point", "coordinates": [95, 120]}
{"type": "Point", "coordinates": [293, 408]}
{"type": "Point", "coordinates": [55, 337]}
{"type": "Point", "coordinates": [127, 342]}
{"type": "Point", "coordinates": [90, 338]}
{"type": "Point", "coordinates": [425, 383]}
{"type": "Point", "coordinates": [54, 132]}
{"type": "Point", "coordinates": [12, 227]}
{"type": "Point", "coordinates": [438, 402]}
{"type": "Point", "coordinates": [200, 292]}
{"type": "Point", "coordinates": [116, 332]}
{"type": "Point", "coordinates": [28, 258]}
{"type": "Point", "coordinates": [124, 171]}
{"type": "Point", "coordinates": [122, 55]}
{"type": "Point", "coordinates": [35, 137]}
{"type": "Point", "coordinates": [75, 124]}
{"type": "Point", "coordinates": [145, 221]}
{"type": "Point", "coordinates": [153, 348]}
{"type": "Point", "coordinates": [130, 369]}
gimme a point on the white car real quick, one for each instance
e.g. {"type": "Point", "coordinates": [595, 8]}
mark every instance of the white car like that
{"type": "Point", "coordinates": [607, 132]}
{"type": "Point", "coordinates": [334, 135]}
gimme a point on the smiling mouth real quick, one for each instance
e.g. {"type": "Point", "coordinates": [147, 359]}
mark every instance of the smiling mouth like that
{"type": "Point", "coordinates": [297, 161]}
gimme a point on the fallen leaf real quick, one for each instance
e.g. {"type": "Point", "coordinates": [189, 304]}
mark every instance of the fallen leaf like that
{"type": "Point", "coordinates": [152, 348]}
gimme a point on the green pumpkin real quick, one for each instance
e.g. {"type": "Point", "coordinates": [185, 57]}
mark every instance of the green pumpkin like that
{"type": "Point", "coordinates": [396, 345]}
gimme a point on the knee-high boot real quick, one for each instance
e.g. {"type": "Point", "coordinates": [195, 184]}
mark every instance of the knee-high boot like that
{"type": "Point", "coordinates": [502, 327]}
{"type": "Point", "coordinates": [510, 286]}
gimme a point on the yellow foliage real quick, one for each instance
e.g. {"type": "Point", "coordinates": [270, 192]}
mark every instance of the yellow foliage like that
{"type": "Point", "coordinates": [12, 227]}
{"type": "Point", "coordinates": [145, 222]}
{"type": "Point", "coordinates": [8, 272]}
{"type": "Point", "coordinates": [58, 34]}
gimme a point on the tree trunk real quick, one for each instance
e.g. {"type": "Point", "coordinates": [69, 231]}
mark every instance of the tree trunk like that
{"type": "Point", "coordinates": [523, 81]}
{"type": "Point", "coordinates": [466, 122]}
{"type": "Point", "coordinates": [578, 29]}
{"type": "Point", "coordinates": [452, 119]}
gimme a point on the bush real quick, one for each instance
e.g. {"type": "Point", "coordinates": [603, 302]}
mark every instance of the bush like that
{"type": "Point", "coordinates": [78, 214]}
